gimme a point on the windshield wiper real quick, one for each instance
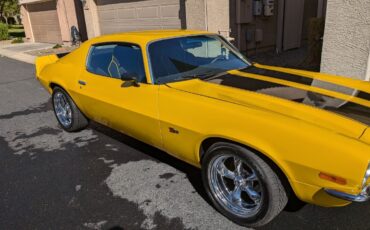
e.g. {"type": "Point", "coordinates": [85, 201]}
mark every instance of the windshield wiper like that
{"type": "Point", "coordinates": [199, 76]}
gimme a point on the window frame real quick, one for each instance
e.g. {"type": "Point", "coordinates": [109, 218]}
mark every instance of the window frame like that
{"type": "Point", "coordinates": [114, 43]}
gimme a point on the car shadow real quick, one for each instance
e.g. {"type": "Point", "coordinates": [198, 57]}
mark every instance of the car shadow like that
{"type": "Point", "coordinates": [354, 216]}
{"type": "Point", "coordinates": [192, 173]}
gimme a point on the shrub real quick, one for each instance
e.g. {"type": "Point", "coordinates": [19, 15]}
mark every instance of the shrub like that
{"type": "Point", "coordinates": [3, 31]}
{"type": "Point", "coordinates": [17, 40]}
{"type": "Point", "coordinates": [57, 46]}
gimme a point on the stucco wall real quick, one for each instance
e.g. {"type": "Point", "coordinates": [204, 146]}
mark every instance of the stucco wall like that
{"type": "Point", "coordinates": [91, 19]}
{"type": "Point", "coordinates": [67, 18]}
{"type": "Point", "coordinates": [347, 38]}
{"type": "Point", "coordinates": [211, 15]}
{"type": "Point", "coordinates": [195, 14]}
{"type": "Point", "coordinates": [26, 23]}
{"type": "Point", "coordinates": [218, 18]}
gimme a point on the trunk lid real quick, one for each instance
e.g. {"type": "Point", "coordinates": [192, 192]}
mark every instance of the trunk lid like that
{"type": "Point", "coordinates": [43, 61]}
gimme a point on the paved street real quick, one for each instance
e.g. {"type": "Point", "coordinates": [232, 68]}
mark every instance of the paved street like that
{"type": "Point", "coordinates": [101, 179]}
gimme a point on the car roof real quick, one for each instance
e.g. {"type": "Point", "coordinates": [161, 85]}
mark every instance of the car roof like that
{"type": "Point", "coordinates": [144, 37]}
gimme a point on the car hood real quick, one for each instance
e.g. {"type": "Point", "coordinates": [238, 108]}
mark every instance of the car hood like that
{"type": "Point", "coordinates": [342, 106]}
{"type": "Point", "coordinates": [366, 136]}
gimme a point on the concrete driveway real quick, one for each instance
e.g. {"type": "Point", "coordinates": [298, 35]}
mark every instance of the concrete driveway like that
{"type": "Point", "coordinates": [20, 51]}
{"type": "Point", "coordinates": [101, 179]}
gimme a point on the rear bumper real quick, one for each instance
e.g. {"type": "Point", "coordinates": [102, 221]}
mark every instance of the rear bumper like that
{"type": "Point", "coordinates": [362, 197]}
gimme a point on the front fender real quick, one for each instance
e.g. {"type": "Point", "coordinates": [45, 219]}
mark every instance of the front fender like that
{"type": "Point", "coordinates": [302, 156]}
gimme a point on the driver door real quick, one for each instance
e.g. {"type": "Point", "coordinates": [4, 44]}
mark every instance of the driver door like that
{"type": "Point", "coordinates": [129, 108]}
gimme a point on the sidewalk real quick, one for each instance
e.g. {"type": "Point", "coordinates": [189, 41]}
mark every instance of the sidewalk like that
{"type": "Point", "coordinates": [20, 51]}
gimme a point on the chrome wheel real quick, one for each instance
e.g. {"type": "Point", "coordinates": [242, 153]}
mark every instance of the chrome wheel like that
{"type": "Point", "coordinates": [62, 109]}
{"type": "Point", "coordinates": [235, 185]}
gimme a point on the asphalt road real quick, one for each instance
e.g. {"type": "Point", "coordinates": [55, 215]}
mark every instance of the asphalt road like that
{"type": "Point", "coordinates": [101, 179]}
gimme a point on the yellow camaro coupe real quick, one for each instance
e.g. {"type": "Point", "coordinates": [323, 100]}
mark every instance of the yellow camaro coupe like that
{"type": "Point", "coordinates": [263, 136]}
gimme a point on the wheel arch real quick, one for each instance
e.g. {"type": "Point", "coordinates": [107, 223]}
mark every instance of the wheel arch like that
{"type": "Point", "coordinates": [53, 84]}
{"type": "Point", "coordinates": [272, 162]}
{"type": "Point", "coordinates": [75, 99]}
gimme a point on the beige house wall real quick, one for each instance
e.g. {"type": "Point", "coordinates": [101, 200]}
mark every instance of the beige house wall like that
{"type": "Point", "coordinates": [67, 18]}
{"type": "Point", "coordinates": [26, 23]}
{"type": "Point", "coordinates": [91, 19]}
{"type": "Point", "coordinates": [195, 14]}
{"type": "Point", "coordinates": [346, 48]}
{"type": "Point", "coordinates": [66, 11]}
{"type": "Point", "coordinates": [212, 15]}
{"type": "Point", "coordinates": [218, 16]}
{"type": "Point", "coordinates": [347, 39]}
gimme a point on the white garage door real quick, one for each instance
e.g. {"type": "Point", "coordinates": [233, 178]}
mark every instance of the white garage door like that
{"type": "Point", "coordinates": [118, 16]}
{"type": "Point", "coordinates": [45, 22]}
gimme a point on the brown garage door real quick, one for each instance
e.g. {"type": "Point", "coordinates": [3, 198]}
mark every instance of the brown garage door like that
{"type": "Point", "coordinates": [45, 22]}
{"type": "Point", "coordinates": [117, 16]}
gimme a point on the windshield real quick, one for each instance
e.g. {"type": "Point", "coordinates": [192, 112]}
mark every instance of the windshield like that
{"type": "Point", "coordinates": [201, 56]}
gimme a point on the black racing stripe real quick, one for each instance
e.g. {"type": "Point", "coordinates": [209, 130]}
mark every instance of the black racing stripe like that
{"type": "Point", "coordinates": [245, 83]}
{"type": "Point", "coordinates": [298, 79]}
{"type": "Point", "coordinates": [354, 111]}
{"type": "Point", "coordinates": [278, 75]}
{"type": "Point", "coordinates": [349, 109]}
{"type": "Point", "coordinates": [364, 95]}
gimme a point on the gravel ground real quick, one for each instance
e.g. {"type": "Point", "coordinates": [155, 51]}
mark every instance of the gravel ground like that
{"type": "Point", "coordinates": [43, 52]}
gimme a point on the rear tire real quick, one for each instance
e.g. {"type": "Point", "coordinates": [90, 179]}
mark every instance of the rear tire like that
{"type": "Point", "coordinates": [68, 115]}
{"type": "Point", "coordinates": [241, 185]}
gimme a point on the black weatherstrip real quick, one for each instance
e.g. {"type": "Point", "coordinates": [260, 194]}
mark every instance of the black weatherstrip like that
{"type": "Point", "coordinates": [60, 55]}
{"type": "Point", "coordinates": [278, 75]}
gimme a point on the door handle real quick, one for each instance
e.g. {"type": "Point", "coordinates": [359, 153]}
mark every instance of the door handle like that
{"type": "Point", "coordinates": [81, 82]}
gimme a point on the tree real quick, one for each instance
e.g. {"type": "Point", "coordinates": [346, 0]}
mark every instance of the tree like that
{"type": "Point", "coordinates": [8, 8]}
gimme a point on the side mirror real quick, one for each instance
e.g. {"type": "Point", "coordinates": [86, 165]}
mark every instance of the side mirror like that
{"type": "Point", "coordinates": [129, 79]}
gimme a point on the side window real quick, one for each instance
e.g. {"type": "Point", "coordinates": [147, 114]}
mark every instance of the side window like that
{"type": "Point", "coordinates": [116, 61]}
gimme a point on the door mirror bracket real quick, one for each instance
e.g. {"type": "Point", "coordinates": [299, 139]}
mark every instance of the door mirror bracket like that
{"type": "Point", "coordinates": [129, 80]}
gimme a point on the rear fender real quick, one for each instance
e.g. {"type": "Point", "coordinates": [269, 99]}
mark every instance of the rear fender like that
{"type": "Point", "coordinates": [42, 62]}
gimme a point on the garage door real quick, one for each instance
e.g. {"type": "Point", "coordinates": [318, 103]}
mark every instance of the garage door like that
{"type": "Point", "coordinates": [44, 22]}
{"type": "Point", "coordinates": [118, 16]}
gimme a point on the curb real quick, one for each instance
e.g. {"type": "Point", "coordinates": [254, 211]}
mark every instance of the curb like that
{"type": "Point", "coordinates": [18, 56]}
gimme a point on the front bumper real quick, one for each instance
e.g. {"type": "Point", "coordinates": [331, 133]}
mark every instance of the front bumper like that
{"type": "Point", "coordinates": [362, 197]}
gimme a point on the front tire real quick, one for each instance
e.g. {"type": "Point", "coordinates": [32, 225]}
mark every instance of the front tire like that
{"type": "Point", "coordinates": [68, 115]}
{"type": "Point", "coordinates": [241, 185]}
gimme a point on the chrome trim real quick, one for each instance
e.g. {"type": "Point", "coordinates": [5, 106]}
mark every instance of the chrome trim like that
{"type": "Point", "coordinates": [362, 197]}
{"type": "Point", "coordinates": [366, 177]}
{"type": "Point", "coordinates": [237, 189]}
{"type": "Point", "coordinates": [62, 109]}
